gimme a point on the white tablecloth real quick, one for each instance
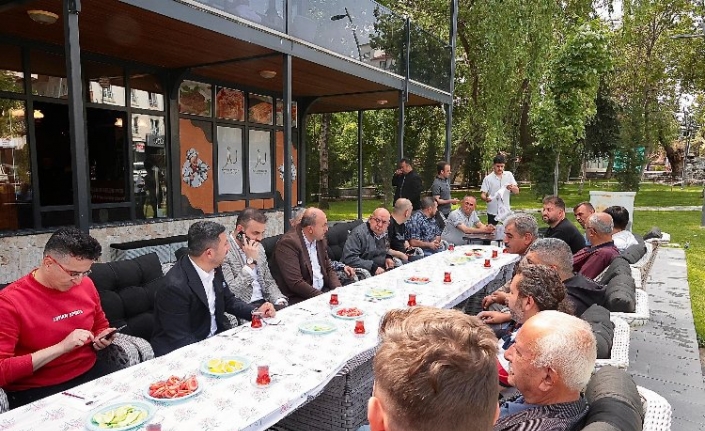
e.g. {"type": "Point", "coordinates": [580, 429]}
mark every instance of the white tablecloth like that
{"type": "Point", "coordinates": [301, 364]}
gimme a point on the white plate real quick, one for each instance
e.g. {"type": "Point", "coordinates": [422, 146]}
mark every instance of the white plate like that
{"type": "Point", "coordinates": [141, 405]}
{"type": "Point", "coordinates": [245, 365]}
{"type": "Point", "coordinates": [410, 281]}
{"type": "Point", "coordinates": [379, 293]}
{"type": "Point", "coordinates": [334, 312]}
{"type": "Point", "coordinates": [198, 390]}
{"type": "Point", "coordinates": [317, 328]}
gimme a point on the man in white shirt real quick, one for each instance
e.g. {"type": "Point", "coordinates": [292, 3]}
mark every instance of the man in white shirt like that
{"type": "Point", "coordinates": [192, 304]}
{"type": "Point", "coordinates": [620, 235]}
{"type": "Point", "coordinates": [499, 179]}
{"type": "Point", "coordinates": [464, 220]}
{"type": "Point", "coordinates": [245, 267]}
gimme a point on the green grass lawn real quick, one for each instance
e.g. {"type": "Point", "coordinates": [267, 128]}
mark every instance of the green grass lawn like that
{"type": "Point", "coordinates": [684, 226]}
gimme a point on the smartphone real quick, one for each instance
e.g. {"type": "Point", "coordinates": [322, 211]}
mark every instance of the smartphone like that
{"type": "Point", "coordinates": [112, 333]}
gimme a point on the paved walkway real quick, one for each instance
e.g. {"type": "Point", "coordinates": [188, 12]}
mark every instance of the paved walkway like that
{"type": "Point", "coordinates": [663, 354]}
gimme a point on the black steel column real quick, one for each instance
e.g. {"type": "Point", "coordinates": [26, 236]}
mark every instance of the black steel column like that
{"type": "Point", "coordinates": [286, 78]}
{"type": "Point", "coordinates": [400, 127]}
{"type": "Point", "coordinates": [449, 107]}
{"type": "Point", "coordinates": [77, 116]}
{"type": "Point", "coordinates": [359, 165]}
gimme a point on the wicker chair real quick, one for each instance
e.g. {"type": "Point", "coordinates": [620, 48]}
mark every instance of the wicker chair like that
{"type": "Point", "coordinates": [122, 353]}
{"type": "Point", "coordinates": [641, 315]}
{"type": "Point", "coordinates": [619, 355]}
{"type": "Point", "coordinates": [657, 411]}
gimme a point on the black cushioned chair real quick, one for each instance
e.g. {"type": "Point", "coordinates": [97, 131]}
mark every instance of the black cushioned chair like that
{"type": "Point", "coordinates": [127, 289]}
{"type": "Point", "coordinates": [619, 265]}
{"type": "Point", "coordinates": [268, 245]}
{"type": "Point", "coordinates": [337, 235]}
{"type": "Point", "coordinates": [615, 403]}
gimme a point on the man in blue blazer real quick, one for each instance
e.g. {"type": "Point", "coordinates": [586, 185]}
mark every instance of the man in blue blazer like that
{"type": "Point", "coordinates": [192, 304]}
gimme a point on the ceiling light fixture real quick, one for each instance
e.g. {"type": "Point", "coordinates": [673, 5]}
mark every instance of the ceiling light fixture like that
{"type": "Point", "coordinates": [267, 74]}
{"type": "Point", "coordinates": [382, 101]}
{"type": "Point", "coordinates": [43, 17]}
{"type": "Point", "coordinates": [38, 114]}
{"type": "Point", "coordinates": [118, 122]}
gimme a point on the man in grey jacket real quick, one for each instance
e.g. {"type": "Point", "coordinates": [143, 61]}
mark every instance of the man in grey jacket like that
{"type": "Point", "coordinates": [245, 268]}
{"type": "Point", "coordinates": [367, 245]}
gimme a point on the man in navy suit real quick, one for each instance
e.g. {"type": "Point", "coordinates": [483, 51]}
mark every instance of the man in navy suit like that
{"type": "Point", "coordinates": [192, 304]}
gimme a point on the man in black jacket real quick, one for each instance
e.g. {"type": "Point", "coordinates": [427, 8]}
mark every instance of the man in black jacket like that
{"type": "Point", "coordinates": [582, 291]}
{"type": "Point", "coordinates": [407, 184]}
{"type": "Point", "coordinates": [192, 304]}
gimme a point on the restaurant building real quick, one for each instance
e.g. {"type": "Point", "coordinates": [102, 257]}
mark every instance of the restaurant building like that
{"type": "Point", "coordinates": [133, 118]}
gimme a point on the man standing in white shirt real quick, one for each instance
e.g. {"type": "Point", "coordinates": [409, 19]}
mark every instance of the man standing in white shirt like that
{"type": "Point", "coordinates": [245, 268]}
{"type": "Point", "coordinates": [499, 179]}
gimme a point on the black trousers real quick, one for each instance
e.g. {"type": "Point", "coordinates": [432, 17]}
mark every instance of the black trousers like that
{"type": "Point", "coordinates": [20, 398]}
{"type": "Point", "coordinates": [491, 219]}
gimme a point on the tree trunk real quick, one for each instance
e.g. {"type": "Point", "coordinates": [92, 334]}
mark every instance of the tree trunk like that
{"type": "Point", "coordinates": [323, 158]}
{"type": "Point", "coordinates": [556, 173]}
{"type": "Point", "coordinates": [676, 158]}
{"type": "Point", "coordinates": [610, 167]}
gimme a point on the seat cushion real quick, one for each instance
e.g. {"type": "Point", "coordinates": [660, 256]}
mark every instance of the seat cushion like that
{"type": "Point", "coordinates": [619, 265]}
{"type": "Point", "coordinates": [633, 253]}
{"type": "Point", "coordinates": [620, 294]}
{"type": "Point", "coordinates": [602, 327]}
{"type": "Point", "coordinates": [614, 402]}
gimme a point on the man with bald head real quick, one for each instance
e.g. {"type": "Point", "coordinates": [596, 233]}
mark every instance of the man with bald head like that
{"type": "Point", "coordinates": [464, 220]}
{"type": "Point", "coordinates": [551, 361]}
{"type": "Point", "coordinates": [303, 269]}
{"type": "Point", "coordinates": [367, 245]}
{"type": "Point", "coordinates": [592, 260]}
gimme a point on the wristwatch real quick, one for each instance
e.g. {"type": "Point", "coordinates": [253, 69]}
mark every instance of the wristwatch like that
{"type": "Point", "coordinates": [250, 261]}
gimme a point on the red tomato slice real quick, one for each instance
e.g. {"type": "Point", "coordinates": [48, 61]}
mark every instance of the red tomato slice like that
{"type": "Point", "coordinates": [192, 384]}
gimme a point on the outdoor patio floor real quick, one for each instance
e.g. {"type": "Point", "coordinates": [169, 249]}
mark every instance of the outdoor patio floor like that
{"type": "Point", "coordinates": [663, 354]}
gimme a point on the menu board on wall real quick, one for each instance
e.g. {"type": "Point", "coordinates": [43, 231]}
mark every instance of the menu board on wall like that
{"type": "Point", "coordinates": [260, 162]}
{"type": "Point", "coordinates": [230, 104]}
{"type": "Point", "coordinates": [230, 157]}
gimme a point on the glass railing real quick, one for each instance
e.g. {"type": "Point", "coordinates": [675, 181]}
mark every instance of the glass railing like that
{"type": "Point", "coordinates": [362, 30]}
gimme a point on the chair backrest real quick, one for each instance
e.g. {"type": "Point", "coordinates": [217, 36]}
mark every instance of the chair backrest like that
{"type": "Point", "coordinates": [620, 293]}
{"type": "Point", "coordinates": [268, 245]}
{"type": "Point", "coordinates": [337, 235]}
{"type": "Point", "coordinates": [614, 402]}
{"type": "Point", "coordinates": [127, 289]}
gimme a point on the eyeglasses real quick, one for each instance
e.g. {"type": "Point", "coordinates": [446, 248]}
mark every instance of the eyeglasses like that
{"type": "Point", "coordinates": [72, 274]}
{"type": "Point", "coordinates": [379, 220]}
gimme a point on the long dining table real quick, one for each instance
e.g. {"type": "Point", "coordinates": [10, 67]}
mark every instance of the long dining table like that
{"type": "Point", "coordinates": [301, 363]}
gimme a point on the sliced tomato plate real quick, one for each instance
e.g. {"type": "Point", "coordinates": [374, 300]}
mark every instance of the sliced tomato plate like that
{"type": "Point", "coordinates": [173, 390]}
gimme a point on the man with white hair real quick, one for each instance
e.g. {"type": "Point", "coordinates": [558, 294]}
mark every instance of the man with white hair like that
{"type": "Point", "coordinates": [367, 245]}
{"type": "Point", "coordinates": [592, 260]}
{"type": "Point", "coordinates": [551, 361]}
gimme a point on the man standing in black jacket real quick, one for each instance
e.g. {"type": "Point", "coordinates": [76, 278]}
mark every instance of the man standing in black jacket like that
{"type": "Point", "coordinates": [407, 184]}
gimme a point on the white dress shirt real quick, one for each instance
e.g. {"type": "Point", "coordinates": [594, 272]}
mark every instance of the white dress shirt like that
{"type": "Point", "coordinates": [254, 273]}
{"type": "Point", "coordinates": [207, 281]}
{"type": "Point", "coordinates": [315, 264]}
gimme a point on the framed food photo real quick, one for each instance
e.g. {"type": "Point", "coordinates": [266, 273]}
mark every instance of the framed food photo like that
{"type": "Point", "coordinates": [260, 161]}
{"type": "Point", "coordinates": [230, 155]}
{"type": "Point", "coordinates": [230, 104]}
{"type": "Point", "coordinates": [195, 98]}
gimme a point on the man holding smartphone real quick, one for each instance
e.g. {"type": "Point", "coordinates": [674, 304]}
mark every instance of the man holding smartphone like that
{"type": "Point", "coordinates": [53, 323]}
{"type": "Point", "coordinates": [245, 267]}
{"type": "Point", "coordinates": [192, 304]}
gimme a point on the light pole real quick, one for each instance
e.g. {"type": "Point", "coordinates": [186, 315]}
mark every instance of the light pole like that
{"type": "Point", "coordinates": [352, 27]}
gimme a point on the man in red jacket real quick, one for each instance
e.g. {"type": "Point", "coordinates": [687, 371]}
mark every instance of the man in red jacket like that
{"type": "Point", "coordinates": [52, 322]}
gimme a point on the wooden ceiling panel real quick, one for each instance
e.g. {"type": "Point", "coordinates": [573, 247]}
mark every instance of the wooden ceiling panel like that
{"type": "Point", "coordinates": [118, 30]}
